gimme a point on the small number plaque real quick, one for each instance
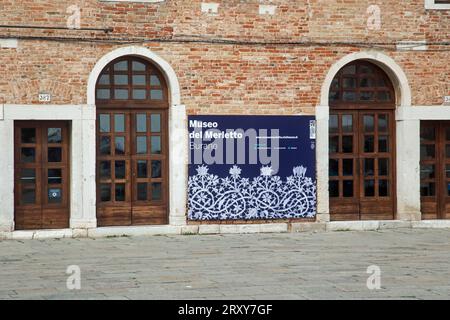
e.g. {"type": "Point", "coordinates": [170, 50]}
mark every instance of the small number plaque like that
{"type": "Point", "coordinates": [44, 97]}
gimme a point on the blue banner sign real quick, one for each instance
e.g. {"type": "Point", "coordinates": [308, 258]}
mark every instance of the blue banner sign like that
{"type": "Point", "coordinates": [251, 167]}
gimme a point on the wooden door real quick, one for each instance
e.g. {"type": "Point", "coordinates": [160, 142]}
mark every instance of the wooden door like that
{"type": "Point", "coordinates": [132, 168]}
{"type": "Point", "coordinates": [435, 169]}
{"type": "Point", "coordinates": [41, 174]}
{"type": "Point", "coordinates": [362, 165]}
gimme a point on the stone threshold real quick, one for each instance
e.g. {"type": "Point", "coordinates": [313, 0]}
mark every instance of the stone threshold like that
{"type": "Point", "coordinates": [210, 229]}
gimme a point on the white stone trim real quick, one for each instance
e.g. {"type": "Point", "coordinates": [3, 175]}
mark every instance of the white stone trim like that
{"type": "Point", "coordinates": [163, 65]}
{"type": "Point", "coordinates": [431, 4]}
{"type": "Point", "coordinates": [9, 43]}
{"type": "Point", "coordinates": [423, 113]}
{"type": "Point", "coordinates": [209, 229]}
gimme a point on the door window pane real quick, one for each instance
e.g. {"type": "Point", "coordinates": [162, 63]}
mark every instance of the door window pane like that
{"type": "Point", "coordinates": [142, 169]}
{"type": "Point", "coordinates": [105, 192]}
{"type": "Point", "coordinates": [54, 195]}
{"type": "Point", "coordinates": [383, 188]}
{"type": "Point", "coordinates": [384, 96]}
{"type": "Point", "coordinates": [156, 144]}
{"type": "Point", "coordinates": [333, 168]}
{"type": "Point", "coordinates": [121, 66]}
{"type": "Point", "coordinates": [369, 123]}
{"type": "Point", "coordinates": [28, 196]}
{"type": "Point", "coordinates": [366, 96]}
{"type": "Point", "coordinates": [104, 79]}
{"type": "Point", "coordinates": [121, 94]}
{"type": "Point", "coordinates": [121, 79]}
{"type": "Point", "coordinates": [369, 167]}
{"type": "Point", "coordinates": [28, 135]}
{"type": "Point", "coordinates": [427, 171]}
{"type": "Point", "coordinates": [141, 122]}
{"type": "Point", "coordinates": [28, 176]}
{"type": "Point", "coordinates": [349, 83]}
{"type": "Point", "coordinates": [333, 96]}
{"type": "Point", "coordinates": [54, 135]}
{"type": "Point", "coordinates": [156, 94]}
{"type": "Point", "coordinates": [28, 155]}
{"type": "Point", "coordinates": [447, 133]}
{"type": "Point", "coordinates": [383, 167]}
{"type": "Point", "coordinates": [103, 94]}
{"type": "Point", "coordinates": [369, 144]}
{"type": "Point", "coordinates": [334, 144]}
{"type": "Point", "coordinates": [447, 151]}
{"type": "Point", "coordinates": [347, 123]}
{"type": "Point", "coordinates": [105, 169]}
{"type": "Point", "coordinates": [156, 191]}
{"type": "Point", "coordinates": [120, 192]}
{"type": "Point", "coordinates": [383, 144]}
{"type": "Point", "coordinates": [383, 123]}
{"type": "Point", "coordinates": [366, 83]}
{"type": "Point", "coordinates": [120, 169]}
{"type": "Point", "coordinates": [105, 123]}
{"type": "Point", "coordinates": [138, 66]}
{"type": "Point", "coordinates": [119, 123]}
{"type": "Point", "coordinates": [427, 189]}
{"type": "Point", "coordinates": [333, 123]}
{"type": "Point", "coordinates": [334, 189]}
{"type": "Point", "coordinates": [141, 145]}
{"type": "Point", "coordinates": [348, 188]}
{"type": "Point", "coordinates": [142, 191]}
{"type": "Point", "coordinates": [447, 171]}
{"type": "Point", "coordinates": [105, 145]}
{"type": "Point", "coordinates": [139, 94]}
{"type": "Point", "coordinates": [156, 169]}
{"type": "Point", "coordinates": [120, 145]}
{"type": "Point", "coordinates": [154, 80]}
{"type": "Point", "coordinates": [369, 188]}
{"type": "Point", "coordinates": [54, 155]}
{"type": "Point", "coordinates": [347, 144]}
{"type": "Point", "coordinates": [427, 151]}
{"type": "Point", "coordinates": [427, 134]}
{"type": "Point", "coordinates": [349, 96]}
{"type": "Point", "coordinates": [155, 122]}
{"type": "Point", "coordinates": [139, 79]}
{"type": "Point", "coordinates": [54, 176]}
{"type": "Point", "coordinates": [347, 167]}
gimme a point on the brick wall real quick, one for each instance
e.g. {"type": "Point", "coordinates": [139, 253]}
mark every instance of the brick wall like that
{"type": "Point", "coordinates": [221, 78]}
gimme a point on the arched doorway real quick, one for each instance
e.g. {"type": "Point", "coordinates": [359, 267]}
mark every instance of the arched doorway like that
{"type": "Point", "coordinates": [362, 183]}
{"type": "Point", "coordinates": [132, 166]}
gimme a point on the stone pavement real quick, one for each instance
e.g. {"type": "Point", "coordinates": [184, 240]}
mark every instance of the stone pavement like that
{"type": "Point", "coordinates": [414, 263]}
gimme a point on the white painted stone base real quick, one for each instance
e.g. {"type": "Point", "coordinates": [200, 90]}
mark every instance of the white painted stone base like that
{"type": "Point", "coordinates": [205, 229]}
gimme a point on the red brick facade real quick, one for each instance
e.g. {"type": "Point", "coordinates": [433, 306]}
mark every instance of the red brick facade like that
{"type": "Point", "coordinates": [239, 77]}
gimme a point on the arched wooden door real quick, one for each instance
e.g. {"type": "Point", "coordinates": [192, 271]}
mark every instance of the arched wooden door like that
{"type": "Point", "coordinates": [362, 144]}
{"type": "Point", "coordinates": [132, 144]}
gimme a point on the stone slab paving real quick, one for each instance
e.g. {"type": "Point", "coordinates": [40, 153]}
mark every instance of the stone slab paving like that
{"type": "Point", "coordinates": [414, 263]}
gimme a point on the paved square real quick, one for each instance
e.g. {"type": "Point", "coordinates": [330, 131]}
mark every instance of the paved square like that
{"type": "Point", "coordinates": [415, 264]}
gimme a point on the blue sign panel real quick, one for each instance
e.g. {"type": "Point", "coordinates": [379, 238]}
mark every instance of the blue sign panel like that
{"type": "Point", "coordinates": [251, 167]}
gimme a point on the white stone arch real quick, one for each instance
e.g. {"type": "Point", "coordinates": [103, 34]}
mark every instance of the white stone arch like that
{"type": "Point", "coordinates": [163, 65]}
{"type": "Point", "coordinates": [178, 143]}
{"type": "Point", "coordinates": [392, 69]}
{"type": "Point", "coordinates": [408, 153]}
